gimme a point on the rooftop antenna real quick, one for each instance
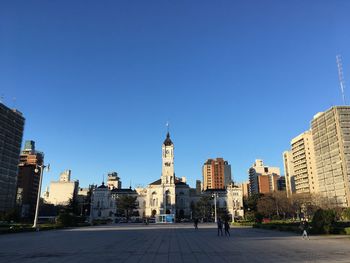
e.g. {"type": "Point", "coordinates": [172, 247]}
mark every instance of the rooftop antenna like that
{"type": "Point", "coordinates": [14, 102]}
{"type": "Point", "coordinates": [341, 77]}
{"type": "Point", "coordinates": [2, 98]}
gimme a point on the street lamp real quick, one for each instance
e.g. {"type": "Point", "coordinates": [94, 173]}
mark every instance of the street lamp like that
{"type": "Point", "coordinates": [42, 167]}
{"type": "Point", "coordinates": [215, 196]}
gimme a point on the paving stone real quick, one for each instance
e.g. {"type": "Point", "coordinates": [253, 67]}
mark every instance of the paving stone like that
{"type": "Point", "coordinates": [169, 243]}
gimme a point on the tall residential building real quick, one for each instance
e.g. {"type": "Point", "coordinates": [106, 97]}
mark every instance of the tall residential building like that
{"type": "Point", "coordinates": [61, 192]}
{"type": "Point", "coordinates": [263, 179]}
{"type": "Point", "coordinates": [11, 133]}
{"type": "Point", "coordinates": [303, 163]}
{"type": "Point", "coordinates": [216, 174]}
{"type": "Point", "coordinates": [331, 138]}
{"type": "Point", "coordinates": [28, 179]}
{"type": "Point", "coordinates": [288, 172]}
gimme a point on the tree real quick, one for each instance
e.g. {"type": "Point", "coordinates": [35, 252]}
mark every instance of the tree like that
{"type": "Point", "coordinates": [203, 208]}
{"type": "Point", "coordinates": [127, 204]}
{"type": "Point", "coordinates": [250, 203]}
{"type": "Point", "coordinates": [282, 203]}
{"type": "Point", "coordinates": [266, 205]}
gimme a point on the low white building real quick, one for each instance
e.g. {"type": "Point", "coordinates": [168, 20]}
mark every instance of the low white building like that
{"type": "Point", "coordinates": [62, 191]}
{"type": "Point", "coordinates": [103, 206]}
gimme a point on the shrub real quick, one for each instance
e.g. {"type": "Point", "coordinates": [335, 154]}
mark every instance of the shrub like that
{"type": "Point", "coordinates": [323, 221]}
{"type": "Point", "coordinates": [66, 219]}
{"type": "Point", "coordinates": [347, 230]}
{"type": "Point", "coordinates": [259, 217]}
{"type": "Point", "coordinates": [346, 214]}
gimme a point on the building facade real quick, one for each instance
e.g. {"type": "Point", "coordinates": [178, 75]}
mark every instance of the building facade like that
{"type": "Point", "coordinates": [263, 179]}
{"type": "Point", "coordinates": [113, 181]}
{"type": "Point", "coordinates": [167, 197]}
{"type": "Point", "coordinates": [288, 172]}
{"type": "Point", "coordinates": [103, 205]}
{"type": "Point", "coordinates": [62, 191]}
{"type": "Point", "coordinates": [331, 138]}
{"type": "Point", "coordinates": [216, 174]}
{"type": "Point", "coordinates": [304, 164]}
{"type": "Point", "coordinates": [11, 133]}
{"type": "Point", "coordinates": [28, 179]}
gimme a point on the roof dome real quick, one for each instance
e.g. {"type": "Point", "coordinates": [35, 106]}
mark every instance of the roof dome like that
{"type": "Point", "coordinates": [102, 185]}
{"type": "Point", "coordinates": [167, 141]}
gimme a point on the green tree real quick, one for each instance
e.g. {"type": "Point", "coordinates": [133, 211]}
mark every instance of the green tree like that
{"type": "Point", "coordinates": [323, 221]}
{"type": "Point", "coordinates": [250, 203]}
{"type": "Point", "coordinates": [203, 208]}
{"type": "Point", "coordinates": [127, 204]}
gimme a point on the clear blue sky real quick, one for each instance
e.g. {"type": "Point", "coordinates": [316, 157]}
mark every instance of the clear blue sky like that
{"type": "Point", "coordinates": [97, 80]}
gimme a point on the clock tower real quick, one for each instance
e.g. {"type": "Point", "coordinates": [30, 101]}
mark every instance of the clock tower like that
{"type": "Point", "coordinates": [168, 175]}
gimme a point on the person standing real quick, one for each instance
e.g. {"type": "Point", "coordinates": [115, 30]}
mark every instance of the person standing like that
{"type": "Point", "coordinates": [219, 226]}
{"type": "Point", "coordinates": [227, 227]}
{"type": "Point", "coordinates": [196, 223]}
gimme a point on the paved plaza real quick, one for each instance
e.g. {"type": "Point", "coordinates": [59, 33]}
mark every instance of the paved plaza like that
{"type": "Point", "coordinates": [169, 243]}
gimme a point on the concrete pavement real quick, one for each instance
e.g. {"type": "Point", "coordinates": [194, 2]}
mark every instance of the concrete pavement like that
{"type": "Point", "coordinates": [169, 243]}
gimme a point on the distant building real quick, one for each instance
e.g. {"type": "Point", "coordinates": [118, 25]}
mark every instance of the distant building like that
{"type": "Point", "coordinates": [198, 187]}
{"type": "Point", "coordinates": [28, 179]}
{"type": "Point", "coordinates": [103, 205]}
{"type": "Point", "coordinates": [62, 191]}
{"type": "Point", "coordinates": [83, 199]}
{"type": "Point", "coordinates": [331, 138]}
{"type": "Point", "coordinates": [113, 181]}
{"type": "Point", "coordinates": [288, 171]}
{"type": "Point", "coordinates": [11, 132]}
{"type": "Point", "coordinates": [263, 179]}
{"type": "Point", "coordinates": [216, 174]}
{"type": "Point", "coordinates": [245, 189]}
{"type": "Point", "coordinates": [281, 183]}
{"type": "Point", "coordinates": [167, 197]}
{"type": "Point", "coordinates": [229, 199]}
{"type": "Point", "coordinates": [304, 164]}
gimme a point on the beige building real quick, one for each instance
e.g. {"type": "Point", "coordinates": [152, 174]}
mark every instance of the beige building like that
{"type": "Point", "coordinates": [60, 192]}
{"type": "Point", "coordinates": [113, 181]}
{"type": "Point", "coordinates": [263, 179]}
{"type": "Point", "coordinates": [303, 166]}
{"type": "Point", "coordinates": [331, 137]}
{"type": "Point", "coordinates": [245, 189]}
{"type": "Point", "coordinates": [288, 172]}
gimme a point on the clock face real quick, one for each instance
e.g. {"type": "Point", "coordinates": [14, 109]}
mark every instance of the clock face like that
{"type": "Point", "coordinates": [167, 151]}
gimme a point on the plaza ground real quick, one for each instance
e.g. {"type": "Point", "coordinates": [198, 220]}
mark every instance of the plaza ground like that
{"type": "Point", "coordinates": [170, 243]}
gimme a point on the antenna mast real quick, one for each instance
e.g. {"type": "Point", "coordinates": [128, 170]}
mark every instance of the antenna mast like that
{"type": "Point", "coordinates": [341, 77]}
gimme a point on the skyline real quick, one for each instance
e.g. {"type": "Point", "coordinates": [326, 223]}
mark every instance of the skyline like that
{"type": "Point", "coordinates": [97, 83]}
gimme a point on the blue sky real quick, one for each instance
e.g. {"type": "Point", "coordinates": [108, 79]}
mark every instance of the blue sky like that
{"type": "Point", "coordinates": [97, 80]}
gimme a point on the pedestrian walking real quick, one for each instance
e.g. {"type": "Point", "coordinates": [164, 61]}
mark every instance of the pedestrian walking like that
{"type": "Point", "coordinates": [196, 223]}
{"type": "Point", "coordinates": [227, 228]}
{"type": "Point", "coordinates": [305, 228]}
{"type": "Point", "coordinates": [219, 227]}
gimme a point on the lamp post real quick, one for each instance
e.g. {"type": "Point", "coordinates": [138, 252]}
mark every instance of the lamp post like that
{"type": "Point", "coordinates": [42, 167]}
{"type": "Point", "coordinates": [216, 218]}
